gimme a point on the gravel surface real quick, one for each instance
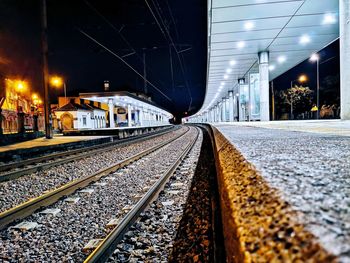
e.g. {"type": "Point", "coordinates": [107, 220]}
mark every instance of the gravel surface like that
{"type": "Point", "coordinates": [22, 189]}
{"type": "Point", "coordinates": [151, 238]}
{"type": "Point", "coordinates": [61, 238]}
{"type": "Point", "coordinates": [311, 172]}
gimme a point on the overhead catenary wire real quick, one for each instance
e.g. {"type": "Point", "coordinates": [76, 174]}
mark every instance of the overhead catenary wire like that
{"type": "Point", "coordinates": [121, 36]}
{"type": "Point", "coordinates": [168, 37]}
{"type": "Point", "coordinates": [122, 60]}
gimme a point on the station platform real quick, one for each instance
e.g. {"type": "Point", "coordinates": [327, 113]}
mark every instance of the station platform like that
{"type": "Point", "coordinates": [43, 142]}
{"type": "Point", "coordinates": [331, 127]}
{"type": "Point", "coordinates": [290, 175]}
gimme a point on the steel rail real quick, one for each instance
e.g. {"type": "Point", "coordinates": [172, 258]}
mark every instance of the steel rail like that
{"type": "Point", "coordinates": [106, 248]}
{"type": "Point", "coordinates": [82, 153]}
{"type": "Point", "coordinates": [29, 207]}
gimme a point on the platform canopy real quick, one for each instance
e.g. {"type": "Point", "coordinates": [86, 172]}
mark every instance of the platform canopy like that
{"type": "Point", "coordinates": [291, 30]}
{"type": "Point", "coordinates": [123, 99]}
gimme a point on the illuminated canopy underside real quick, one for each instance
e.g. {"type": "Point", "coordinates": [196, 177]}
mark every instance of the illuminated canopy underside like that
{"type": "Point", "coordinates": [290, 30]}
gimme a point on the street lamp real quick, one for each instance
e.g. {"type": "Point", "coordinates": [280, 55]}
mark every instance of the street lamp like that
{"type": "Point", "coordinates": [301, 79]}
{"type": "Point", "coordinates": [315, 57]}
{"type": "Point", "coordinates": [58, 82]}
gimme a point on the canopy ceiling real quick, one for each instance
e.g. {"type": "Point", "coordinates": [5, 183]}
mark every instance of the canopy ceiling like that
{"type": "Point", "coordinates": [291, 30]}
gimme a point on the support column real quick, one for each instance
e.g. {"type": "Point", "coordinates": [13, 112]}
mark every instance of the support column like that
{"type": "Point", "coordinates": [344, 33]}
{"type": "Point", "coordinates": [223, 109]}
{"type": "Point", "coordinates": [129, 115]}
{"type": "Point", "coordinates": [264, 86]}
{"type": "Point", "coordinates": [111, 113]}
{"type": "Point", "coordinates": [241, 111]}
{"type": "Point", "coordinates": [215, 112]}
{"type": "Point", "coordinates": [230, 106]}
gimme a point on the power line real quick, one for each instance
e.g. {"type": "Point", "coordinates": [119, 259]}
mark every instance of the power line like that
{"type": "Point", "coordinates": [121, 36]}
{"type": "Point", "coordinates": [166, 36]}
{"type": "Point", "coordinates": [121, 59]}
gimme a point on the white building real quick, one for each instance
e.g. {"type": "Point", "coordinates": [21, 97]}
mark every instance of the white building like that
{"type": "Point", "coordinates": [127, 109]}
{"type": "Point", "coordinates": [73, 116]}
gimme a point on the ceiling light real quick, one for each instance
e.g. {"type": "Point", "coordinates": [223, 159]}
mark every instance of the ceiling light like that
{"type": "Point", "coordinates": [272, 67]}
{"type": "Point", "coordinates": [232, 62]}
{"type": "Point", "coordinates": [241, 44]}
{"type": "Point", "coordinates": [314, 57]}
{"type": "Point", "coordinates": [249, 25]}
{"type": "Point", "coordinates": [228, 71]}
{"type": "Point", "coordinates": [304, 39]}
{"type": "Point", "coordinates": [222, 83]}
{"type": "Point", "coordinates": [225, 76]}
{"type": "Point", "coordinates": [329, 19]}
{"type": "Point", "coordinates": [281, 59]}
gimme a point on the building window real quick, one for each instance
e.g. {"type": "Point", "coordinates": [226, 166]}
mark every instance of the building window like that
{"type": "Point", "coordinates": [84, 120]}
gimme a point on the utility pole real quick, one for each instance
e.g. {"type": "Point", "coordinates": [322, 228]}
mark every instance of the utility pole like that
{"type": "Point", "coordinates": [144, 73]}
{"type": "Point", "coordinates": [45, 69]}
{"type": "Point", "coordinates": [273, 101]}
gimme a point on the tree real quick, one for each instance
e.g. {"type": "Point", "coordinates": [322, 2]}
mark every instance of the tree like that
{"type": "Point", "coordinates": [298, 98]}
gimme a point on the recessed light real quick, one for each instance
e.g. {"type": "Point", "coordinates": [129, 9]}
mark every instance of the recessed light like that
{"type": "Point", "coordinates": [225, 76]}
{"type": "Point", "coordinates": [241, 44]}
{"type": "Point", "coordinates": [281, 59]}
{"type": "Point", "coordinates": [329, 19]}
{"type": "Point", "coordinates": [232, 62]}
{"type": "Point", "coordinates": [222, 83]}
{"type": "Point", "coordinates": [304, 39]}
{"type": "Point", "coordinates": [228, 71]}
{"type": "Point", "coordinates": [271, 67]}
{"type": "Point", "coordinates": [249, 25]}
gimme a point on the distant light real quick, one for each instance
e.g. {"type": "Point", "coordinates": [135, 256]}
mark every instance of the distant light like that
{"type": "Point", "coordinates": [232, 62]}
{"type": "Point", "coordinates": [271, 67]}
{"type": "Point", "coordinates": [237, 94]}
{"type": "Point", "coordinates": [56, 81]}
{"type": "Point", "coordinates": [225, 76]}
{"type": "Point", "coordinates": [222, 83]}
{"type": "Point", "coordinates": [249, 25]}
{"type": "Point", "coordinates": [304, 39]}
{"type": "Point", "coordinates": [302, 78]}
{"type": "Point", "coordinates": [228, 71]}
{"type": "Point", "coordinates": [329, 19]}
{"type": "Point", "coordinates": [241, 44]}
{"type": "Point", "coordinates": [281, 59]}
{"type": "Point", "coordinates": [314, 57]}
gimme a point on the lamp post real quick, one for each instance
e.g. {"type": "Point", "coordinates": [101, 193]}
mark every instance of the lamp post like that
{"type": "Point", "coordinates": [301, 79]}
{"type": "Point", "coordinates": [58, 82]}
{"type": "Point", "coordinates": [315, 57]}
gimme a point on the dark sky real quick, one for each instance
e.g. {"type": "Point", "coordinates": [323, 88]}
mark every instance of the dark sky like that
{"type": "Point", "coordinates": [127, 28]}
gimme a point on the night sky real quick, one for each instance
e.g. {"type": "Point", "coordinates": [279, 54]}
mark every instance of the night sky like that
{"type": "Point", "coordinates": [125, 27]}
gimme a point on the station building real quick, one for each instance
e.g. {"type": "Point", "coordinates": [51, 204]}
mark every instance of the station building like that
{"type": "Point", "coordinates": [107, 110]}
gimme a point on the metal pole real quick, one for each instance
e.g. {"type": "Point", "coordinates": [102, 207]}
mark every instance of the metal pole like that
{"type": "Point", "coordinates": [318, 89]}
{"type": "Point", "coordinates": [273, 101]}
{"type": "Point", "coordinates": [144, 73]}
{"type": "Point", "coordinates": [291, 102]}
{"type": "Point", "coordinates": [45, 69]}
{"type": "Point", "coordinates": [65, 92]}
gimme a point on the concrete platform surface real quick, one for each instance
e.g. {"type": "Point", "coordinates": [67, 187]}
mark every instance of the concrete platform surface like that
{"type": "Point", "coordinates": [310, 170]}
{"type": "Point", "coordinates": [336, 127]}
{"type": "Point", "coordinates": [40, 142]}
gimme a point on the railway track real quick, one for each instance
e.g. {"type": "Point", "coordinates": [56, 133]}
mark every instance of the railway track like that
{"type": "Point", "coordinates": [15, 170]}
{"type": "Point", "coordinates": [27, 208]}
{"type": "Point", "coordinates": [108, 245]}
{"type": "Point", "coordinates": [96, 207]}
